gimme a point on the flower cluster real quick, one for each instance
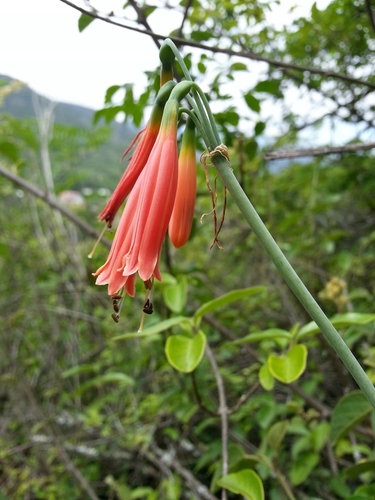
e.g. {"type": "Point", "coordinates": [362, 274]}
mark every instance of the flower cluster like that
{"type": "Point", "coordinates": [161, 190]}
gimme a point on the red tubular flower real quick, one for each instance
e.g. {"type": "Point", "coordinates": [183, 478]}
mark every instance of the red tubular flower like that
{"type": "Point", "coordinates": [144, 222]}
{"type": "Point", "coordinates": [183, 210]}
{"type": "Point", "coordinates": [139, 158]}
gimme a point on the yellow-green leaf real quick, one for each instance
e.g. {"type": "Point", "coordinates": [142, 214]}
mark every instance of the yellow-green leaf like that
{"type": "Point", "coordinates": [289, 367]}
{"type": "Point", "coordinates": [246, 482]}
{"type": "Point", "coordinates": [265, 378]}
{"type": "Point", "coordinates": [185, 353]}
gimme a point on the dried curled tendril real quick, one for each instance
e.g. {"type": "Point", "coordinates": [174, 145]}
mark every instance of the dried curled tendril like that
{"type": "Point", "coordinates": [223, 151]}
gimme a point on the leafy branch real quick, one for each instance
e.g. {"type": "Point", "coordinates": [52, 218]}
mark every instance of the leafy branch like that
{"type": "Point", "coordinates": [245, 54]}
{"type": "Point", "coordinates": [299, 153]}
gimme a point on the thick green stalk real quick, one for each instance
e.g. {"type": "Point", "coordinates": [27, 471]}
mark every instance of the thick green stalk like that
{"type": "Point", "coordinates": [291, 277]}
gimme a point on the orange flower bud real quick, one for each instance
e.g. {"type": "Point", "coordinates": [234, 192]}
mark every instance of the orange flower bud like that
{"type": "Point", "coordinates": [183, 211]}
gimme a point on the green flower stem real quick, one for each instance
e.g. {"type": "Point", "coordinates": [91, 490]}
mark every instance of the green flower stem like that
{"type": "Point", "coordinates": [197, 123]}
{"type": "Point", "coordinates": [195, 103]}
{"type": "Point", "coordinates": [208, 111]}
{"type": "Point", "coordinates": [291, 277]}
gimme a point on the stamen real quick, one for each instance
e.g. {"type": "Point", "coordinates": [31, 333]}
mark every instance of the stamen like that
{"type": "Point", "coordinates": [116, 306]}
{"type": "Point", "coordinates": [115, 317]}
{"type": "Point", "coordinates": [147, 306]}
{"type": "Point", "coordinates": [132, 144]}
{"type": "Point", "coordinates": [91, 254]}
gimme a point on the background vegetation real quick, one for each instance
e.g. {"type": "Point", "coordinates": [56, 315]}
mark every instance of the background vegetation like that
{"type": "Point", "coordinates": [85, 416]}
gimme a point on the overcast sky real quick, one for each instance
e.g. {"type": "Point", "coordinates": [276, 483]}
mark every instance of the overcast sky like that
{"type": "Point", "coordinates": [41, 45]}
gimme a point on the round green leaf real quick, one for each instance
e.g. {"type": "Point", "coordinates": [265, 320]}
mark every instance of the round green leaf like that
{"type": "Point", "coordinates": [246, 482]}
{"type": "Point", "coordinates": [289, 367]}
{"type": "Point", "coordinates": [185, 353]}
{"type": "Point", "coordinates": [265, 378]}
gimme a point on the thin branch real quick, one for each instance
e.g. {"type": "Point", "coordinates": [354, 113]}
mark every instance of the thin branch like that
{"type": "Point", "coordinates": [54, 203]}
{"type": "Point", "coordinates": [165, 460]}
{"type": "Point", "coordinates": [187, 8]}
{"type": "Point", "coordinates": [298, 153]}
{"type": "Point", "coordinates": [216, 50]}
{"type": "Point", "coordinates": [243, 399]}
{"type": "Point", "coordinates": [370, 14]}
{"type": "Point", "coordinates": [142, 19]}
{"type": "Point", "coordinates": [223, 411]}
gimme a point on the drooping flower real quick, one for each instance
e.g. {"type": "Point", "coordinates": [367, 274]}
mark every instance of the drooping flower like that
{"type": "Point", "coordinates": [183, 210]}
{"type": "Point", "coordinates": [144, 222]}
{"type": "Point", "coordinates": [140, 156]}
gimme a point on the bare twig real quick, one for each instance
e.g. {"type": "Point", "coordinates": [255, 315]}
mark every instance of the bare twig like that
{"type": "Point", "coordinates": [142, 19]}
{"type": "Point", "coordinates": [298, 153]}
{"type": "Point", "coordinates": [217, 50]}
{"type": "Point", "coordinates": [370, 13]}
{"type": "Point", "coordinates": [167, 460]}
{"type": "Point", "coordinates": [243, 399]}
{"type": "Point", "coordinates": [54, 203]}
{"type": "Point", "coordinates": [331, 459]}
{"type": "Point", "coordinates": [187, 8]}
{"type": "Point", "coordinates": [223, 411]}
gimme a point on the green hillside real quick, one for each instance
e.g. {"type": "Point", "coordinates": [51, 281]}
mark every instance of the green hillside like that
{"type": "Point", "coordinates": [100, 147]}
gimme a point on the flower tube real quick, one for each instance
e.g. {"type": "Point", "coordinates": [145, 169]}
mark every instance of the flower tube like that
{"type": "Point", "coordinates": [144, 222]}
{"type": "Point", "coordinates": [140, 156]}
{"type": "Point", "coordinates": [183, 211]}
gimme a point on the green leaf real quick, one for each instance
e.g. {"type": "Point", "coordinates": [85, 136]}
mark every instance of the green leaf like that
{"type": "Point", "coordinates": [252, 102]}
{"type": "Point", "coordinates": [9, 150]}
{"type": "Point", "coordinates": [4, 251]}
{"type": "Point", "coordinates": [251, 148]}
{"type": "Point", "coordinates": [238, 66]}
{"type": "Point", "coordinates": [338, 321]}
{"type": "Point", "coordinates": [226, 299]}
{"type": "Point", "coordinates": [84, 21]}
{"type": "Point", "coordinates": [360, 468]}
{"type": "Point", "coordinates": [270, 334]}
{"type": "Point", "coordinates": [302, 467]}
{"type": "Point", "coordinates": [75, 370]}
{"type": "Point", "coordinates": [265, 378]}
{"type": "Point", "coordinates": [349, 411]}
{"type": "Point", "coordinates": [259, 128]}
{"type": "Point", "coordinates": [107, 378]}
{"type": "Point", "coordinates": [111, 91]}
{"type": "Point", "coordinates": [268, 86]}
{"type": "Point", "coordinates": [185, 353]}
{"type": "Point", "coordinates": [319, 435]}
{"type": "Point", "coordinates": [246, 482]}
{"type": "Point", "coordinates": [289, 367]}
{"type": "Point", "coordinates": [175, 295]}
{"type": "Point", "coordinates": [277, 433]}
{"type": "Point", "coordinates": [152, 330]}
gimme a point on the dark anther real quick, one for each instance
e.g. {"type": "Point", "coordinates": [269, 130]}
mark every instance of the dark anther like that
{"type": "Point", "coordinates": [148, 307]}
{"type": "Point", "coordinates": [115, 317]}
{"type": "Point", "coordinates": [116, 307]}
